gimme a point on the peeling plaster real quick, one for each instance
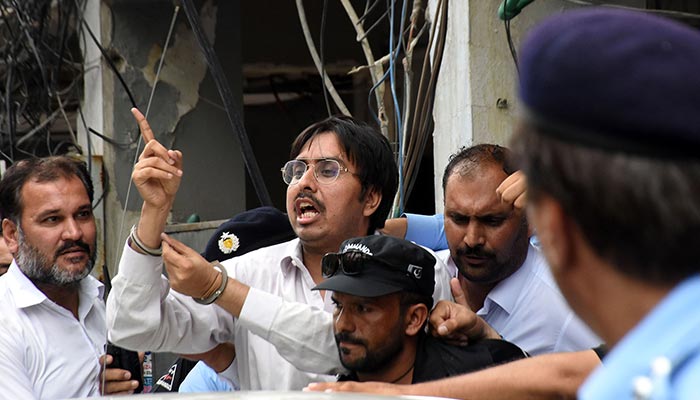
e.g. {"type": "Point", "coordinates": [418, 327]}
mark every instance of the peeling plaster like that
{"type": "Point", "coordinates": [180, 69]}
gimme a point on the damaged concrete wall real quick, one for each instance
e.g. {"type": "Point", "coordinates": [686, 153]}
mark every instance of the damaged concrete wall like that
{"type": "Point", "coordinates": [185, 112]}
{"type": "Point", "coordinates": [476, 100]}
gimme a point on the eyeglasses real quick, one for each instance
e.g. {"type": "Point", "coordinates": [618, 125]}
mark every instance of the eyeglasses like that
{"type": "Point", "coordinates": [351, 263]}
{"type": "Point", "coordinates": [326, 170]}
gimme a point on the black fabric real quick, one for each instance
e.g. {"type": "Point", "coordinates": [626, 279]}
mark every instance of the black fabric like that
{"type": "Point", "coordinates": [436, 359]}
{"type": "Point", "coordinates": [601, 351]}
{"type": "Point", "coordinates": [171, 381]}
{"type": "Point", "coordinates": [128, 360]}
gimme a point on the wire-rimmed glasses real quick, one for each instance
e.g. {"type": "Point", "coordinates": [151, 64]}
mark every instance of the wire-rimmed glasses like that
{"type": "Point", "coordinates": [326, 170]}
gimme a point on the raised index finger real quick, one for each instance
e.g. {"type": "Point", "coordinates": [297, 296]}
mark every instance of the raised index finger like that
{"type": "Point", "coordinates": [145, 128]}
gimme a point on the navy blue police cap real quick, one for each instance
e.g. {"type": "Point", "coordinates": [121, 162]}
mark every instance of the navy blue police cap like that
{"type": "Point", "coordinates": [625, 81]}
{"type": "Point", "coordinates": [248, 231]}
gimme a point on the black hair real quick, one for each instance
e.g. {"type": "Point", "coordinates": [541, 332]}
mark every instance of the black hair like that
{"type": "Point", "coordinates": [371, 153]}
{"type": "Point", "coordinates": [468, 158]}
{"type": "Point", "coordinates": [45, 169]}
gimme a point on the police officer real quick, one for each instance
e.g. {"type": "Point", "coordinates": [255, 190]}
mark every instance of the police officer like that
{"type": "Point", "coordinates": [611, 149]}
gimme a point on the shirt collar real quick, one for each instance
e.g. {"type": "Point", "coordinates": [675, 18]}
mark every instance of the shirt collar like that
{"type": "Point", "coordinates": [91, 291]}
{"type": "Point", "coordinates": [26, 294]}
{"type": "Point", "coordinates": [293, 258]}
{"type": "Point", "coordinates": [23, 290]}
{"type": "Point", "coordinates": [506, 293]}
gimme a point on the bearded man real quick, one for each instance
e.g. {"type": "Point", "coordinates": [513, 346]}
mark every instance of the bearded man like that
{"type": "Point", "coordinates": [52, 316]}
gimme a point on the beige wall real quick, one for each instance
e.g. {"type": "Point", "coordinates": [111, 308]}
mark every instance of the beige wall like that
{"type": "Point", "coordinates": [477, 70]}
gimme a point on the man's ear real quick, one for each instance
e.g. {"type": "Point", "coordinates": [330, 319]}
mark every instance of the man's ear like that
{"type": "Point", "coordinates": [11, 235]}
{"type": "Point", "coordinates": [555, 231]}
{"type": "Point", "coordinates": [415, 318]}
{"type": "Point", "coordinates": [372, 199]}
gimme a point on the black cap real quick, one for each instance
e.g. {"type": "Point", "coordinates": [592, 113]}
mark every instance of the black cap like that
{"type": "Point", "coordinates": [620, 80]}
{"type": "Point", "coordinates": [248, 231]}
{"type": "Point", "coordinates": [387, 265]}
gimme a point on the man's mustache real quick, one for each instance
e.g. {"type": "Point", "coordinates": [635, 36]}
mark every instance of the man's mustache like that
{"type": "Point", "coordinates": [347, 338]}
{"type": "Point", "coordinates": [306, 195]}
{"type": "Point", "coordinates": [477, 252]}
{"type": "Point", "coordinates": [71, 244]}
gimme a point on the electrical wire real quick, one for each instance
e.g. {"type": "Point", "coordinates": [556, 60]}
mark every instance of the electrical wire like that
{"type": "Point", "coordinates": [41, 66]}
{"type": "Point", "coordinates": [121, 145]}
{"type": "Point", "coordinates": [509, 37]}
{"type": "Point", "coordinates": [422, 123]}
{"type": "Point", "coordinates": [32, 47]}
{"type": "Point", "coordinates": [65, 118]}
{"type": "Point", "coordinates": [148, 109]}
{"type": "Point", "coordinates": [376, 70]}
{"type": "Point", "coordinates": [394, 52]}
{"type": "Point", "coordinates": [370, 95]}
{"type": "Point", "coordinates": [138, 142]}
{"type": "Point", "coordinates": [32, 33]}
{"type": "Point", "coordinates": [9, 109]}
{"type": "Point", "coordinates": [227, 98]}
{"type": "Point", "coordinates": [397, 108]}
{"type": "Point", "coordinates": [88, 138]}
{"type": "Point", "coordinates": [317, 62]}
{"type": "Point", "coordinates": [391, 57]}
{"type": "Point", "coordinates": [368, 10]}
{"type": "Point", "coordinates": [120, 78]}
{"type": "Point", "coordinates": [173, 19]}
{"type": "Point", "coordinates": [374, 25]}
{"type": "Point", "coordinates": [324, 12]}
{"type": "Point", "coordinates": [107, 58]}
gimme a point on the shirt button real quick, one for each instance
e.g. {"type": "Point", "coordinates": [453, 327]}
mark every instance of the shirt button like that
{"type": "Point", "coordinates": [643, 387]}
{"type": "Point", "coordinates": [661, 367]}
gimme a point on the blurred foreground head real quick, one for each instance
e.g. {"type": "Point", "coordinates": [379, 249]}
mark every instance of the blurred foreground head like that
{"type": "Point", "coordinates": [612, 134]}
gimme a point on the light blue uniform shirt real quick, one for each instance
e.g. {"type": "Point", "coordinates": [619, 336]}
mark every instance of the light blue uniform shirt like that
{"type": "Point", "coordinates": [203, 379]}
{"type": "Point", "coordinates": [426, 230]}
{"type": "Point", "coordinates": [659, 358]}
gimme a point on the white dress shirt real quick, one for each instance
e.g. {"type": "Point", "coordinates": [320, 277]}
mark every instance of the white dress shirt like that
{"type": "Point", "coordinates": [45, 352]}
{"type": "Point", "coordinates": [282, 318]}
{"type": "Point", "coordinates": [528, 309]}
